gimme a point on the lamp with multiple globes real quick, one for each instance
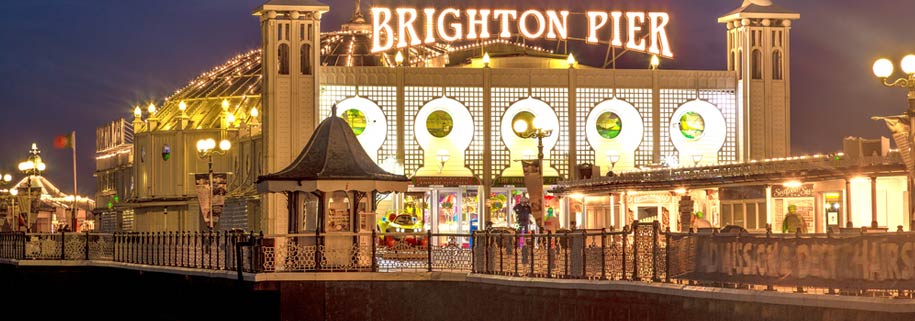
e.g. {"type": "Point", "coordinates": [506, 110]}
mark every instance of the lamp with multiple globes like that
{"type": "Point", "coordinates": [206, 149]}
{"type": "Point", "coordinates": [32, 167]}
{"type": "Point", "coordinates": [883, 69]}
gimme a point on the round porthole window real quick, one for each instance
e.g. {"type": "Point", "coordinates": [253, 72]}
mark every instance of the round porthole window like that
{"type": "Point", "coordinates": [439, 124]}
{"type": "Point", "coordinates": [609, 125]}
{"type": "Point", "coordinates": [356, 120]}
{"type": "Point", "coordinates": [692, 125]}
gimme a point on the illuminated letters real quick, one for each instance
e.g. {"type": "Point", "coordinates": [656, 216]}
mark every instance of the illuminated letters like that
{"type": "Point", "coordinates": [633, 29]}
{"type": "Point", "coordinates": [524, 28]}
{"type": "Point", "coordinates": [472, 23]}
{"type": "Point", "coordinates": [455, 27]}
{"type": "Point", "coordinates": [644, 31]}
{"type": "Point", "coordinates": [504, 16]}
{"type": "Point", "coordinates": [658, 33]}
{"type": "Point", "coordinates": [381, 28]}
{"type": "Point", "coordinates": [406, 17]}
{"type": "Point", "coordinates": [557, 25]}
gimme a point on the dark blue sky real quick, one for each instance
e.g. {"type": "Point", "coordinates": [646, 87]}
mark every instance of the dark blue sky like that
{"type": "Point", "coordinates": [76, 64]}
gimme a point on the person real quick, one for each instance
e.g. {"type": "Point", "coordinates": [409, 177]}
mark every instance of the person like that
{"type": "Point", "coordinates": [793, 221]}
{"type": "Point", "coordinates": [522, 213]}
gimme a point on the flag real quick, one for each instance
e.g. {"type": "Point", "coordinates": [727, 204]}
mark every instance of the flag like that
{"type": "Point", "coordinates": [65, 141]}
{"type": "Point", "coordinates": [204, 196]}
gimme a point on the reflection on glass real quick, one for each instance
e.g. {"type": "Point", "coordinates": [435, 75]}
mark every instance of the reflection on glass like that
{"type": "Point", "coordinates": [498, 207]}
{"type": "Point", "coordinates": [692, 125]}
{"type": "Point", "coordinates": [609, 125]}
{"type": "Point", "coordinates": [448, 219]}
{"type": "Point", "coordinates": [356, 120]}
{"type": "Point", "coordinates": [439, 123]}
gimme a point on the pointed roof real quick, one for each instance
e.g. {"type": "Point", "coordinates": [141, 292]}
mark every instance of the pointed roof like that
{"type": "Point", "coordinates": [332, 154]}
{"type": "Point", "coordinates": [759, 9]}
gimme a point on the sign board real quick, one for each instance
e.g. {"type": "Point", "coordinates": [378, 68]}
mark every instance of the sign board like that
{"type": "Point", "coordinates": [633, 30]}
{"type": "Point", "coordinates": [781, 191]}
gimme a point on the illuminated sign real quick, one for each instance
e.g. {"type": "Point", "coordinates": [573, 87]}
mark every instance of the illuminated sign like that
{"type": "Point", "coordinates": [404, 27]}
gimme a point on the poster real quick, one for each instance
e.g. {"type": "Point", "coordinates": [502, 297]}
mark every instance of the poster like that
{"type": "Point", "coordinates": [533, 180]}
{"type": "Point", "coordinates": [211, 197]}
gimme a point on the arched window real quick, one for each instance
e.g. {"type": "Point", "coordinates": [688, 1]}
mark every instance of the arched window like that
{"type": "Point", "coordinates": [777, 64]}
{"type": "Point", "coordinates": [305, 55]}
{"type": "Point", "coordinates": [283, 57]}
{"type": "Point", "coordinates": [757, 64]}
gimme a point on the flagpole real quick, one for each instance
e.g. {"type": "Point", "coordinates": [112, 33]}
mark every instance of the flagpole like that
{"type": "Point", "coordinates": [75, 193]}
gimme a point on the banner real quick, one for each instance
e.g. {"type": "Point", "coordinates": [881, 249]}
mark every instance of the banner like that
{"type": "Point", "coordinates": [219, 195]}
{"type": "Point", "coordinates": [202, 186]}
{"type": "Point", "coordinates": [211, 203]}
{"type": "Point", "coordinates": [866, 261]}
{"type": "Point", "coordinates": [533, 180]}
{"type": "Point", "coordinates": [29, 204]}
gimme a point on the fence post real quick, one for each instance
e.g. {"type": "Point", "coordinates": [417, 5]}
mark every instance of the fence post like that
{"type": "Point", "coordinates": [797, 241]}
{"type": "Point", "coordinates": [635, 251]}
{"type": "Point", "coordinates": [501, 246]}
{"type": "Point", "coordinates": [667, 256]}
{"type": "Point", "coordinates": [374, 250]}
{"type": "Point", "coordinates": [584, 254]}
{"type": "Point", "coordinates": [514, 245]}
{"type": "Point", "coordinates": [63, 247]}
{"type": "Point", "coordinates": [87, 245]}
{"type": "Point", "coordinates": [549, 254]}
{"type": "Point", "coordinates": [625, 242]}
{"type": "Point", "coordinates": [317, 250]}
{"type": "Point", "coordinates": [769, 286]}
{"type": "Point", "coordinates": [655, 226]}
{"type": "Point", "coordinates": [25, 240]}
{"type": "Point", "coordinates": [603, 254]}
{"type": "Point", "coordinates": [429, 249]}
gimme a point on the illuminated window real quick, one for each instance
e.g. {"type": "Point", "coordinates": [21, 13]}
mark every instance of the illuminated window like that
{"type": "Point", "coordinates": [692, 125]}
{"type": "Point", "coordinates": [609, 125]}
{"type": "Point", "coordinates": [757, 64]}
{"type": "Point", "coordinates": [439, 124]}
{"type": "Point", "coordinates": [305, 56]}
{"type": "Point", "coordinates": [777, 65]}
{"type": "Point", "coordinates": [523, 123]}
{"type": "Point", "coordinates": [356, 120]}
{"type": "Point", "coordinates": [283, 59]}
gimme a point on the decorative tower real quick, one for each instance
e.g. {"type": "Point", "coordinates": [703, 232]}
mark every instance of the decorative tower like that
{"type": "Point", "coordinates": [759, 51]}
{"type": "Point", "coordinates": [290, 44]}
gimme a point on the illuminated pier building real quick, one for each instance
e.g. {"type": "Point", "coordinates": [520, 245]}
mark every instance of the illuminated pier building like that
{"type": "Point", "coordinates": [443, 114]}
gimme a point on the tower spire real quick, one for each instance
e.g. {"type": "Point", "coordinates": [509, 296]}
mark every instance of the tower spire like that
{"type": "Point", "coordinates": [357, 12]}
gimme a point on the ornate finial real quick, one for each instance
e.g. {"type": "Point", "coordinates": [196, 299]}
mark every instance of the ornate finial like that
{"type": "Point", "coordinates": [333, 110]}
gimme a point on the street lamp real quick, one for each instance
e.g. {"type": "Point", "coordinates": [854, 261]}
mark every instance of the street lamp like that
{"type": "Point", "coordinates": [696, 159]}
{"type": "Point", "coordinates": [206, 149]}
{"type": "Point", "coordinates": [536, 130]}
{"type": "Point", "coordinates": [614, 157]}
{"type": "Point", "coordinates": [32, 167]}
{"type": "Point", "coordinates": [442, 156]}
{"type": "Point", "coordinates": [883, 69]}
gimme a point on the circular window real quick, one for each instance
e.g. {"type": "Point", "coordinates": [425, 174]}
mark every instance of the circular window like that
{"type": "Point", "coordinates": [609, 125]}
{"type": "Point", "coordinates": [439, 123]}
{"type": "Point", "coordinates": [692, 125]}
{"type": "Point", "coordinates": [523, 123]}
{"type": "Point", "coordinates": [356, 120]}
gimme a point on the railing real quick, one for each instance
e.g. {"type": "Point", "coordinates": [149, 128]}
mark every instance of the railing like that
{"type": "Point", "coordinates": [872, 264]}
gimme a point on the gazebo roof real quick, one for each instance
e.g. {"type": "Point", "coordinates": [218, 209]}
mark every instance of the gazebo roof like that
{"type": "Point", "coordinates": [333, 154]}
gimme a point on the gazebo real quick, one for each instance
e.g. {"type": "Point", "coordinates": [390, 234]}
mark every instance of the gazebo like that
{"type": "Point", "coordinates": [332, 184]}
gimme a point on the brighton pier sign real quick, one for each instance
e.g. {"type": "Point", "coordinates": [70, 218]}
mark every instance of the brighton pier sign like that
{"type": "Point", "coordinates": [404, 27]}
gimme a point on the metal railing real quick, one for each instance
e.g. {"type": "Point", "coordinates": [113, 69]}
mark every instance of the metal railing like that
{"type": "Point", "coordinates": [866, 264]}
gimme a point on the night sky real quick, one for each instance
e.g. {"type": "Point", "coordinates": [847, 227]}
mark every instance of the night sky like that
{"type": "Point", "coordinates": [75, 64]}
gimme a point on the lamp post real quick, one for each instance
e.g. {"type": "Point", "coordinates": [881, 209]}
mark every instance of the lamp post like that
{"type": "Point", "coordinates": [614, 157]}
{"type": "Point", "coordinates": [13, 193]}
{"type": "Point", "coordinates": [32, 167]}
{"type": "Point", "coordinates": [206, 149]}
{"type": "Point", "coordinates": [697, 158]}
{"type": "Point", "coordinates": [442, 156]}
{"type": "Point", "coordinates": [883, 69]}
{"type": "Point", "coordinates": [5, 179]}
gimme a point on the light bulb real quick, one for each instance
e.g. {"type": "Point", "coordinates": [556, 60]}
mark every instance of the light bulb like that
{"type": "Point", "coordinates": [254, 112]}
{"type": "Point", "coordinates": [486, 59]}
{"type": "Point", "coordinates": [137, 112]}
{"type": "Point", "coordinates": [571, 60]}
{"type": "Point", "coordinates": [655, 62]}
{"type": "Point", "coordinates": [520, 126]}
{"type": "Point", "coordinates": [211, 143]}
{"type": "Point", "coordinates": [151, 109]}
{"type": "Point", "coordinates": [225, 145]}
{"type": "Point", "coordinates": [225, 105]}
{"type": "Point", "coordinates": [398, 59]}
{"type": "Point", "coordinates": [908, 64]}
{"type": "Point", "coordinates": [182, 106]}
{"type": "Point", "coordinates": [883, 68]}
{"type": "Point", "coordinates": [201, 145]}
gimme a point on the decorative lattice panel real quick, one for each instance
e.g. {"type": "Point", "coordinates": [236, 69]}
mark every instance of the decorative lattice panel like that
{"type": "Point", "coordinates": [502, 98]}
{"type": "Point", "coordinates": [588, 98]}
{"type": "Point", "coordinates": [725, 100]}
{"type": "Point", "coordinates": [384, 96]}
{"type": "Point", "coordinates": [414, 100]}
{"type": "Point", "coordinates": [558, 98]}
{"type": "Point", "coordinates": [472, 98]}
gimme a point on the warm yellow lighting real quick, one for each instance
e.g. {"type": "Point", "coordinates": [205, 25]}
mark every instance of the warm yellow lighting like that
{"type": "Point", "coordinates": [201, 145]}
{"type": "Point", "coordinates": [883, 68]}
{"type": "Point", "coordinates": [182, 106]}
{"type": "Point", "coordinates": [230, 118]}
{"type": "Point", "coordinates": [680, 191]}
{"type": "Point", "coordinates": [41, 167]}
{"type": "Point", "coordinates": [486, 59]}
{"type": "Point", "coordinates": [655, 62]}
{"type": "Point", "coordinates": [14, 192]}
{"type": "Point", "coordinates": [225, 145]}
{"type": "Point", "coordinates": [137, 112]}
{"type": "Point", "coordinates": [860, 179]}
{"type": "Point", "coordinates": [908, 64]}
{"type": "Point", "coordinates": [577, 196]}
{"type": "Point", "coordinates": [151, 109]}
{"type": "Point", "coordinates": [613, 156]}
{"type": "Point", "coordinates": [541, 123]}
{"type": "Point", "coordinates": [398, 59]}
{"type": "Point", "coordinates": [254, 112]}
{"type": "Point", "coordinates": [520, 126]}
{"type": "Point", "coordinates": [7, 178]}
{"type": "Point", "coordinates": [571, 60]}
{"type": "Point", "coordinates": [225, 105]}
{"type": "Point", "coordinates": [792, 184]}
